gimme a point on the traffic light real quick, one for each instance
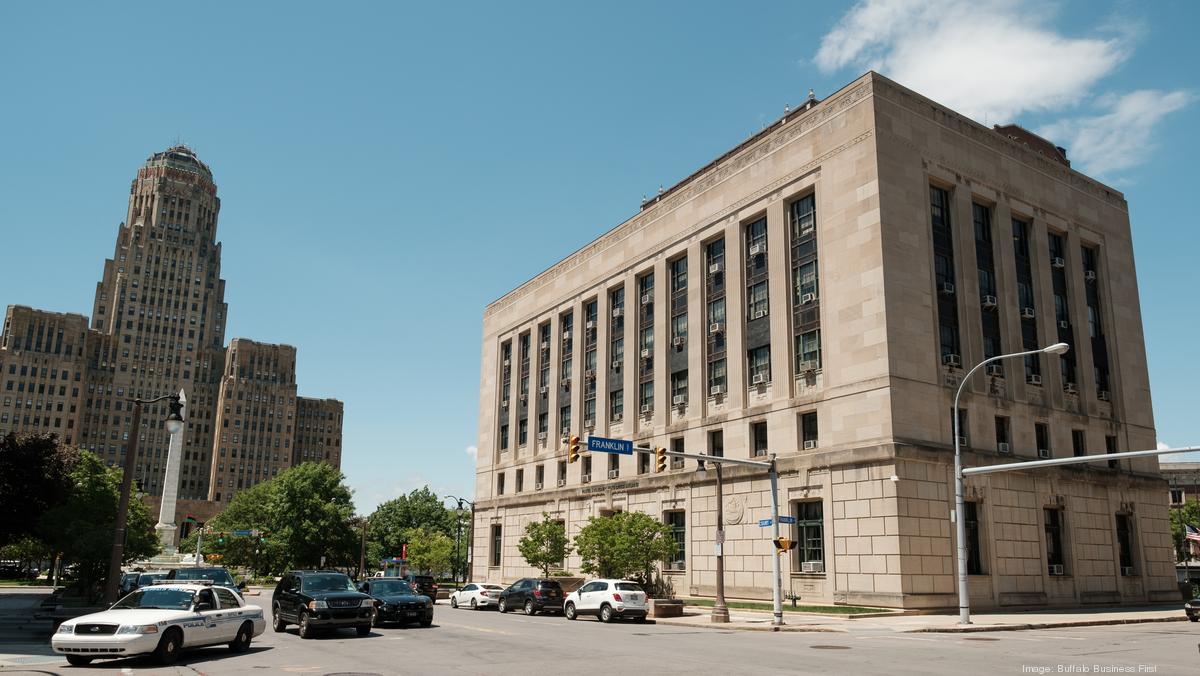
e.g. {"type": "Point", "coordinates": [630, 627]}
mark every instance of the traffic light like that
{"type": "Point", "coordinates": [784, 544]}
{"type": "Point", "coordinates": [660, 459]}
{"type": "Point", "coordinates": [573, 449]}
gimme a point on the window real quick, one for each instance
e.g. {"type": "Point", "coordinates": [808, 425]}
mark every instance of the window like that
{"type": "Point", "coordinates": [614, 465]}
{"type": "Point", "coordinates": [971, 521]}
{"type": "Point", "coordinates": [758, 364]}
{"type": "Point", "coordinates": [757, 302]}
{"type": "Point", "coordinates": [805, 287]}
{"type": "Point", "coordinates": [679, 388]}
{"type": "Point", "coordinates": [810, 534]}
{"type": "Point", "coordinates": [543, 423]}
{"type": "Point", "coordinates": [646, 397]}
{"type": "Point", "coordinates": [1125, 543]}
{"type": "Point", "coordinates": [522, 432]}
{"type": "Point", "coordinates": [643, 463]}
{"type": "Point", "coordinates": [1054, 541]}
{"type": "Point", "coordinates": [677, 446]}
{"type": "Point", "coordinates": [716, 376]}
{"type": "Point", "coordinates": [616, 405]}
{"type": "Point", "coordinates": [1042, 435]}
{"type": "Point", "coordinates": [562, 472]}
{"type": "Point", "coordinates": [587, 468]}
{"type": "Point", "coordinates": [962, 424]}
{"type": "Point", "coordinates": [497, 542]}
{"type": "Point", "coordinates": [758, 438]}
{"type": "Point", "coordinates": [1176, 496]}
{"type": "Point", "coordinates": [1110, 446]}
{"type": "Point", "coordinates": [808, 351]}
{"type": "Point", "coordinates": [500, 483]}
{"type": "Point", "coordinates": [808, 429]}
{"type": "Point", "coordinates": [504, 437]}
{"type": "Point", "coordinates": [679, 274]}
{"type": "Point", "coordinates": [564, 421]}
{"type": "Point", "coordinates": [1002, 432]}
{"type": "Point", "coordinates": [677, 520]}
{"type": "Point", "coordinates": [1079, 442]}
{"type": "Point", "coordinates": [716, 443]}
{"type": "Point", "coordinates": [520, 485]}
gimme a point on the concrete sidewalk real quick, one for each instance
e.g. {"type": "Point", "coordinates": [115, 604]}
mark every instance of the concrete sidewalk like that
{"type": "Point", "coordinates": [753, 620]}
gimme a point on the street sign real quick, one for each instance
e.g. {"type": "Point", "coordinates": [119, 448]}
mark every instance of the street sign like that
{"type": "Point", "coordinates": [603, 445]}
{"type": "Point", "coordinates": [786, 519]}
{"type": "Point", "coordinates": [763, 523]}
{"type": "Point", "coordinates": [241, 533]}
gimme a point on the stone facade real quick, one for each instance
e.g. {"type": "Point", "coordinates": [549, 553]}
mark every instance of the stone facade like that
{"type": "Point", "coordinates": [789, 298]}
{"type": "Point", "coordinates": [158, 325]}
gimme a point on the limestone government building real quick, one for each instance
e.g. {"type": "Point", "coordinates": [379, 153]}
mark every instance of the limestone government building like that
{"type": "Point", "coordinates": [158, 326]}
{"type": "Point", "coordinates": [818, 292]}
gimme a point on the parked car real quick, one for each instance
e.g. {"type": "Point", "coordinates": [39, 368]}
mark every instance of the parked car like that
{"type": "Point", "coordinates": [161, 620]}
{"type": "Point", "coordinates": [608, 600]}
{"type": "Point", "coordinates": [129, 582]}
{"type": "Point", "coordinates": [424, 584]}
{"type": "Point", "coordinates": [316, 599]}
{"type": "Point", "coordinates": [1192, 609]}
{"type": "Point", "coordinates": [147, 579]}
{"type": "Point", "coordinates": [476, 595]}
{"type": "Point", "coordinates": [533, 595]}
{"type": "Point", "coordinates": [219, 576]}
{"type": "Point", "coordinates": [397, 601]}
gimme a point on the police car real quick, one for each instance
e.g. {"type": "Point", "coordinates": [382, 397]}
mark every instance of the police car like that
{"type": "Point", "coordinates": [161, 620]}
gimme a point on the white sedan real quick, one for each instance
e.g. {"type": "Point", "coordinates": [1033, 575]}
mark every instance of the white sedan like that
{"type": "Point", "coordinates": [608, 600]}
{"type": "Point", "coordinates": [161, 620]}
{"type": "Point", "coordinates": [476, 595]}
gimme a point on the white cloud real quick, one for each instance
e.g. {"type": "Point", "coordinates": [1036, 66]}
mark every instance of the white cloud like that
{"type": "Point", "coordinates": [1120, 138]}
{"type": "Point", "coordinates": [1163, 447]}
{"type": "Point", "coordinates": [473, 452]}
{"type": "Point", "coordinates": [988, 59]}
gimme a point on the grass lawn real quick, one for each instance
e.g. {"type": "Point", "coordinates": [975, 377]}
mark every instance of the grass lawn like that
{"type": "Point", "coordinates": [787, 607]}
{"type": "Point", "coordinates": [23, 583]}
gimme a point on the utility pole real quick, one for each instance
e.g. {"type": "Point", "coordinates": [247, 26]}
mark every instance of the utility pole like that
{"type": "Point", "coordinates": [362, 552]}
{"type": "Point", "coordinates": [720, 612]}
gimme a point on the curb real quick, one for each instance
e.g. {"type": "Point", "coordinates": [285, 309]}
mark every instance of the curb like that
{"type": "Point", "coordinates": [1040, 625]}
{"type": "Point", "coordinates": [736, 627]}
{"type": "Point", "coordinates": [827, 616]}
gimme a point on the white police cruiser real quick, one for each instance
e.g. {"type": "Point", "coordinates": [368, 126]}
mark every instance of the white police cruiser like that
{"type": "Point", "coordinates": [161, 620]}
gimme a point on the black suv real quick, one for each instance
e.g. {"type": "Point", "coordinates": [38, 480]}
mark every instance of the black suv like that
{"type": "Point", "coordinates": [532, 595]}
{"type": "Point", "coordinates": [219, 576]}
{"type": "Point", "coordinates": [424, 585]}
{"type": "Point", "coordinates": [397, 601]}
{"type": "Point", "coordinates": [320, 598]}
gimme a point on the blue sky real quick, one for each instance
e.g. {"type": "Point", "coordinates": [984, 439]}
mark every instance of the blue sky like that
{"type": "Point", "coordinates": [387, 170]}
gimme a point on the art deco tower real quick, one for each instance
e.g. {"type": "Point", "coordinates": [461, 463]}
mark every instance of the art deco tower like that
{"type": "Point", "coordinates": [160, 309]}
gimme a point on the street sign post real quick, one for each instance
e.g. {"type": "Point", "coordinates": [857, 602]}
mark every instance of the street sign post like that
{"type": "Point", "coordinates": [241, 533]}
{"type": "Point", "coordinates": [604, 445]}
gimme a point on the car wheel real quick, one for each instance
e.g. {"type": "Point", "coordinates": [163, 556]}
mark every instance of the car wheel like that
{"type": "Point", "coordinates": [241, 643]}
{"type": "Point", "coordinates": [453, 602]}
{"type": "Point", "coordinates": [569, 611]}
{"type": "Point", "coordinates": [78, 660]}
{"type": "Point", "coordinates": [606, 613]}
{"type": "Point", "coordinates": [363, 629]}
{"type": "Point", "coordinates": [1194, 618]}
{"type": "Point", "coordinates": [529, 607]}
{"type": "Point", "coordinates": [474, 605]}
{"type": "Point", "coordinates": [306, 630]}
{"type": "Point", "coordinates": [640, 619]}
{"type": "Point", "coordinates": [277, 622]}
{"type": "Point", "coordinates": [503, 607]}
{"type": "Point", "coordinates": [168, 648]}
{"type": "Point", "coordinates": [427, 622]}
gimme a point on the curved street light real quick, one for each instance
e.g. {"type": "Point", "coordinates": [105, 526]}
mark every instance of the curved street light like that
{"type": "Point", "coordinates": [964, 600]}
{"type": "Point", "coordinates": [458, 512]}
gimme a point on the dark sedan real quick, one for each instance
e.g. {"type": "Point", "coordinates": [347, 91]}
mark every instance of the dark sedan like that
{"type": "Point", "coordinates": [1192, 609]}
{"type": "Point", "coordinates": [396, 601]}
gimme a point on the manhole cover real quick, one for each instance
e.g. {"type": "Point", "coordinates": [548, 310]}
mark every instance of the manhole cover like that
{"type": "Point", "coordinates": [979, 638]}
{"type": "Point", "coordinates": [831, 647]}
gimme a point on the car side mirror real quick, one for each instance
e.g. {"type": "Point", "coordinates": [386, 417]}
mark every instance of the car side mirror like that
{"type": "Point", "coordinates": [201, 607]}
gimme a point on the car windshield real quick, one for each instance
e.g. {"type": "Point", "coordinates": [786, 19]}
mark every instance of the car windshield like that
{"type": "Point", "coordinates": [217, 575]}
{"type": "Point", "coordinates": [157, 597]}
{"type": "Point", "coordinates": [550, 584]}
{"type": "Point", "coordinates": [327, 583]}
{"type": "Point", "coordinates": [149, 578]}
{"type": "Point", "coordinates": [629, 586]}
{"type": "Point", "coordinates": [390, 587]}
{"type": "Point", "coordinates": [492, 586]}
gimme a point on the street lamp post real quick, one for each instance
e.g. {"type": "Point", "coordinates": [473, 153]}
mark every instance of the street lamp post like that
{"type": "Point", "coordinates": [720, 612]}
{"type": "Point", "coordinates": [964, 600]}
{"type": "Point", "coordinates": [174, 424]}
{"type": "Point", "coordinates": [461, 563]}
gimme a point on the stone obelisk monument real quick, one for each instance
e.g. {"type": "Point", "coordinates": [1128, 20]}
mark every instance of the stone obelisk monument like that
{"type": "Point", "coordinates": [166, 513]}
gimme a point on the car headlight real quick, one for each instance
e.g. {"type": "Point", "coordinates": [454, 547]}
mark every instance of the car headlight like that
{"type": "Point", "coordinates": [367, 603]}
{"type": "Point", "coordinates": [138, 629]}
{"type": "Point", "coordinates": [66, 629]}
{"type": "Point", "coordinates": [317, 605]}
{"type": "Point", "coordinates": [428, 603]}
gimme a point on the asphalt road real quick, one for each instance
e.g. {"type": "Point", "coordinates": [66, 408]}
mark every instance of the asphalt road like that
{"type": "Point", "coordinates": [485, 642]}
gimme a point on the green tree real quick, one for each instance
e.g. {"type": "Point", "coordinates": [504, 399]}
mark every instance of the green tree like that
{"type": "Point", "coordinates": [390, 522]}
{"type": "Point", "coordinates": [35, 475]}
{"type": "Point", "coordinates": [429, 552]}
{"type": "Point", "coordinates": [625, 545]}
{"type": "Point", "coordinates": [545, 544]}
{"type": "Point", "coordinates": [1188, 513]}
{"type": "Point", "coordinates": [248, 510]}
{"type": "Point", "coordinates": [81, 526]}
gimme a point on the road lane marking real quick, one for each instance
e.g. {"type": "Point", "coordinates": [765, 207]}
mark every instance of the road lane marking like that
{"type": "Point", "coordinates": [483, 629]}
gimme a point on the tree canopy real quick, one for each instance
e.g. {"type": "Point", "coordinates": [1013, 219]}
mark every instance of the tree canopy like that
{"type": "Point", "coordinates": [624, 545]}
{"type": "Point", "coordinates": [392, 522]}
{"type": "Point", "coordinates": [544, 544]}
{"type": "Point", "coordinates": [35, 474]}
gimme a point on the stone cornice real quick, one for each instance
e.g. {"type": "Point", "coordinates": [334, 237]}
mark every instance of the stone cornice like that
{"type": "Point", "coordinates": [787, 129]}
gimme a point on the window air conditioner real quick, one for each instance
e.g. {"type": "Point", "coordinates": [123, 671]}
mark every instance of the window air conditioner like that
{"type": "Point", "coordinates": [614, 473]}
{"type": "Point", "coordinates": [1043, 453]}
{"type": "Point", "coordinates": [962, 441]}
{"type": "Point", "coordinates": [1056, 569]}
{"type": "Point", "coordinates": [716, 327]}
{"type": "Point", "coordinates": [758, 379]}
{"type": "Point", "coordinates": [952, 360]}
{"type": "Point", "coordinates": [616, 365]}
{"type": "Point", "coordinates": [1089, 276]}
{"type": "Point", "coordinates": [810, 444]}
{"type": "Point", "coordinates": [1064, 324]}
{"type": "Point", "coordinates": [562, 482]}
{"type": "Point", "coordinates": [807, 298]}
{"type": "Point", "coordinates": [647, 408]}
{"type": "Point", "coordinates": [537, 487]}
{"type": "Point", "coordinates": [566, 383]}
{"type": "Point", "coordinates": [545, 345]}
{"type": "Point", "coordinates": [543, 389]}
{"type": "Point", "coordinates": [586, 478]}
{"type": "Point", "coordinates": [617, 312]}
{"type": "Point", "coordinates": [504, 363]}
{"type": "Point", "coordinates": [589, 374]}
{"type": "Point", "coordinates": [1034, 379]}
{"type": "Point", "coordinates": [1103, 395]}
{"type": "Point", "coordinates": [542, 437]}
{"type": "Point", "coordinates": [947, 288]}
{"type": "Point", "coordinates": [503, 403]}
{"type": "Point", "coordinates": [996, 370]}
{"type": "Point", "coordinates": [758, 249]}
{"type": "Point", "coordinates": [988, 302]}
{"type": "Point", "coordinates": [1057, 262]}
{"type": "Point", "coordinates": [1004, 448]}
{"type": "Point", "coordinates": [1069, 388]}
{"type": "Point", "coordinates": [679, 400]}
{"type": "Point", "coordinates": [716, 390]}
{"type": "Point", "coordinates": [812, 567]}
{"type": "Point", "coordinates": [524, 396]}
{"type": "Point", "coordinates": [678, 341]}
{"type": "Point", "coordinates": [808, 367]}
{"type": "Point", "coordinates": [566, 336]}
{"type": "Point", "coordinates": [646, 353]}
{"type": "Point", "coordinates": [1027, 313]}
{"type": "Point", "coordinates": [647, 299]}
{"type": "Point", "coordinates": [759, 314]}
{"type": "Point", "coordinates": [714, 268]}
{"type": "Point", "coordinates": [1127, 571]}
